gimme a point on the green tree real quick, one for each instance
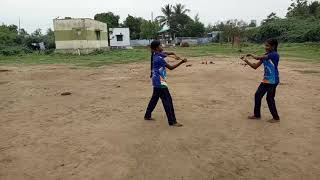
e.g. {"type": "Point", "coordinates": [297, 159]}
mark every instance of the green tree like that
{"type": "Point", "coordinates": [23, 32]}
{"type": "Point", "coordinates": [180, 19]}
{"type": "Point", "coordinates": [220, 26]}
{"type": "Point", "coordinates": [37, 33]}
{"type": "Point", "coordinates": [134, 24]}
{"type": "Point", "coordinates": [194, 29]}
{"type": "Point", "coordinates": [314, 9]}
{"type": "Point", "coordinates": [166, 18]}
{"type": "Point", "coordinates": [271, 17]}
{"type": "Point", "coordinates": [180, 23]}
{"type": "Point", "coordinates": [8, 35]}
{"type": "Point", "coordinates": [175, 17]}
{"type": "Point", "coordinates": [180, 9]}
{"type": "Point", "coordinates": [209, 28]}
{"type": "Point", "coordinates": [49, 39]}
{"type": "Point", "coordinates": [197, 18]}
{"type": "Point", "coordinates": [11, 42]}
{"type": "Point", "coordinates": [252, 24]}
{"type": "Point", "coordinates": [109, 18]}
{"type": "Point", "coordinates": [298, 9]}
{"type": "Point", "coordinates": [234, 28]}
{"type": "Point", "coordinates": [313, 34]}
{"type": "Point", "coordinates": [35, 37]}
{"type": "Point", "coordinates": [149, 29]}
{"type": "Point", "coordinates": [295, 30]}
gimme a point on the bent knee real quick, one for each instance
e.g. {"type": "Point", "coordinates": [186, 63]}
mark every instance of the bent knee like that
{"type": "Point", "coordinates": [270, 98]}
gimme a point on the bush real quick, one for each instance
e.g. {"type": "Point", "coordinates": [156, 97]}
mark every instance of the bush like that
{"type": "Point", "coordinates": [185, 44]}
{"type": "Point", "coordinates": [287, 30]}
{"type": "Point", "coordinates": [14, 50]}
{"type": "Point", "coordinates": [97, 52]}
{"type": "Point", "coordinates": [49, 51]}
{"type": "Point", "coordinates": [313, 35]}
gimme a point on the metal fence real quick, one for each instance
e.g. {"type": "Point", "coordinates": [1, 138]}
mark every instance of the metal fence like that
{"type": "Point", "coordinates": [142, 42]}
{"type": "Point", "coordinates": [178, 40]}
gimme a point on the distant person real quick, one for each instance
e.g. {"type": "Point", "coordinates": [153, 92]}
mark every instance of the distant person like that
{"type": "Point", "coordinates": [160, 87]}
{"type": "Point", "coordinates": [270, 81]}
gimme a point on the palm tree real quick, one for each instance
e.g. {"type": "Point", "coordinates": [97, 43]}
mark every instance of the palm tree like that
{"type": "Point", "coordinates": [174, 16]}
{"type": "Point", "coordinates": [180, 9]}
{"type": "Point", "coordinates": [167, 14]}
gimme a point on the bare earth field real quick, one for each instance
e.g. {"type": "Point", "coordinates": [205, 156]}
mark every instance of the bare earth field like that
{"type": "Point", "coordinates": [98, 132]}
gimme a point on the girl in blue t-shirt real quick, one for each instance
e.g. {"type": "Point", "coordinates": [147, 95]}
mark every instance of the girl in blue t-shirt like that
{"type": "Point", "coordinates": [270, 80]}
{"type": "Point", "coordinates": [160, 86]}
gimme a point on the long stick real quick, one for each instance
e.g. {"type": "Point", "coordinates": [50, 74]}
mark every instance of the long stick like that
{"type": "Point", "coordinates": [242, 57]}
{"type": "Point", "coordinates": [176, 57]}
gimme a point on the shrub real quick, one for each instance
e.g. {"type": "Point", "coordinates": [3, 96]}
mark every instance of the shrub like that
{"type": "Point", "coordinates": [14, 50]}
{"type": "Point", "coordinates": [185, 44]}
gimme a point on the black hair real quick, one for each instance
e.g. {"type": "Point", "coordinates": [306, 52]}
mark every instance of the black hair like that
{"type": "Point", "coordinates": [273, 42]}
{"type": "Point", "coordinates": [154, 45]}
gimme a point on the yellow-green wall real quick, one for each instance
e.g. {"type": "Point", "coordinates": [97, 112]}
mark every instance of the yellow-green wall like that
{"type": "Point", "coordinates": [69, 35]}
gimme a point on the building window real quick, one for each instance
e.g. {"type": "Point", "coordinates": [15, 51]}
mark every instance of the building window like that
{"type": "Point", "coordinates": [77, 34]}
{"type": "Point", "coordinates": [119, 37]}
{"type": "Point", "coordinates": [98, 35]}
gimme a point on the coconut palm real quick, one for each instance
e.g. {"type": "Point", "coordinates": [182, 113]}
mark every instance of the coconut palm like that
{"type": "Point", "coordinates": [167, 15]}
{"type": "Point", "coordinates": [180, 9]}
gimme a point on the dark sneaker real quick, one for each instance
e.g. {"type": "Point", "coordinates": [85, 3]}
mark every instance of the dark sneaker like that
{"type": "Point", "coordinates": [177, 125]}
{"type": "Point", "coordinates": [274, 120]}
{"type": "Point", "coordinates": [149, 119]}
{"type": "Point", "coordinates": [254, 117]}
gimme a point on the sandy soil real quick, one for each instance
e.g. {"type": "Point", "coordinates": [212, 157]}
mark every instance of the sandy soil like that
{"type": "Point", "coordinates": [99, 133]}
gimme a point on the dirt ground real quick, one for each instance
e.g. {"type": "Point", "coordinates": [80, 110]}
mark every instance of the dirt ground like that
{"type": "Point", "coordinates": [98, 132]}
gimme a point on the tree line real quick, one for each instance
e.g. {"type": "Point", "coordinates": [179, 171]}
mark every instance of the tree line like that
{"type": "Point", "coordinates": [301, 24]}
{"type": "Point", "coordinates": [174, 16]}
{"type": "Point", "coordinates": [17, 41]}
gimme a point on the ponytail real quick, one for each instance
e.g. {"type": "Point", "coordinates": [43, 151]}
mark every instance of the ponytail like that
{"type": "Point", "coordinates": [151, 74]}
{"type": "Point", "coordinates": [276, 48]}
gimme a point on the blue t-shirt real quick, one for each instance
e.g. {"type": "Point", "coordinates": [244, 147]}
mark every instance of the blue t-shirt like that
{"type": "Point", "coordinates": [271, 72]}
{"type": "Point", "coordinates": [159, 74]}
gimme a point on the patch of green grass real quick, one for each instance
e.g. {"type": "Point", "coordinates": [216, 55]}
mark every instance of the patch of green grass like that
{"type": "Point", "coordinates": [94, 60]}
{"type": "Point", "coordinates": [310, 52]}
{"type": "Point", "coordinates": [303, 52]}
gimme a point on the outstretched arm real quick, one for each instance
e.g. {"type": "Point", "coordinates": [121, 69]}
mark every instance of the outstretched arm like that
{"type": "Point", "coordinates": [257, 57]}
{"type": "Point", "coordinates": [173, 55]}
{"type": "Point", "coordinates": [170, 53]}
{"type": "Point", "coordinates": [172, 67]}
{"type": "Point", "coordinates": [253, 65]}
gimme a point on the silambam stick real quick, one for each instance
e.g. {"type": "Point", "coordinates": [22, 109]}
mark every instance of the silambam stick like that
{"type": "Point", "coordinates": [177, 57]}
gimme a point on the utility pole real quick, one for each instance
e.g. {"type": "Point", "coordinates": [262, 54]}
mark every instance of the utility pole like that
{"type": "Point", "coordinates": [19, 26]}
{"type": "Point", "coordinates": [151, 16]}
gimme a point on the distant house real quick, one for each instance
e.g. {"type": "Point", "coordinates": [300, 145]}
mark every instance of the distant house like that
{"type": "Point", "coordinates": [119, 37]}
{"type": "Point", "coordinates": [80, 35]}
{"type": "Point", "coordinates": [214, 34]}
{"type": "Point", "coordinates": [166, 37]}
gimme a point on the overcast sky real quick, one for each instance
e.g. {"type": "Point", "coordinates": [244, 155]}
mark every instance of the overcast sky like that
{"type": "Point", "coordinates": [39, 13]}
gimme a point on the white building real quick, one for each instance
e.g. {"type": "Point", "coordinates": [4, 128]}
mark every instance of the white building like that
{"type": "Point", "coordinates": [214, 34]}
{"type": "Point", "coordinates": [119, 37]}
